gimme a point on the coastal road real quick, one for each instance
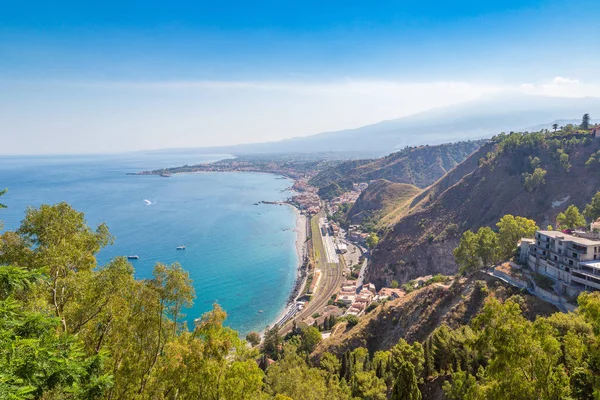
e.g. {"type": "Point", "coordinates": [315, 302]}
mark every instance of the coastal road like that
{"type": "Point", "coordinates": [331, 279]}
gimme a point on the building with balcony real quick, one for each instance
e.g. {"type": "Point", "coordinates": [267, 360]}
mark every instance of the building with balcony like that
{"type": "Point", "coordinates": [572, 261]}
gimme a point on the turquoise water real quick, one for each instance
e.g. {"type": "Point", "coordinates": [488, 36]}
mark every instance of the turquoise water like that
{"type": "Point", "coordinates": [238, 254]}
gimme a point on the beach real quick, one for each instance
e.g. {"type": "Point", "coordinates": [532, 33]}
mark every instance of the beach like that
{"type": "Point", "coordinates": [301, 272]}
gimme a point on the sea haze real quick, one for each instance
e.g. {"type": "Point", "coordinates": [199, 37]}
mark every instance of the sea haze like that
{"type": "Point", "coordinates": [239, 254]}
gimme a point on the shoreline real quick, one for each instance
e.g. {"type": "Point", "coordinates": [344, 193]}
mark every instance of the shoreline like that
{"type": "Point", "coordinates": [301, 269]}
{"type": "Point", "coordinates": [301, 245]}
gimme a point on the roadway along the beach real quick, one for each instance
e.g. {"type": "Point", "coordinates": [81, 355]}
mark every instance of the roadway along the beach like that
{"type": "Point", "coordinates": [331, 280]}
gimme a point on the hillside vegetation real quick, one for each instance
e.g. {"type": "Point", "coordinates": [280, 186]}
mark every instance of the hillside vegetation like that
{"type": "Point", "coordinates": [382, 203]}
{"type": "Point", "coordinates": [416, 315]}
{"type": "Point", "coordinates": [419, 166]}
{"type": "Point", "coordinates": [534, 175]}
{"type": "Point", "coordinates": [71, 329]}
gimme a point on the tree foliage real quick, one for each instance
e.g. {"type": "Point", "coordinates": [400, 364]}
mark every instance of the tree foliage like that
{"type": "Point", "coordinates": [511, 229]}
{"type": "Point", "coordinates": [592, 210]}
{"type": "Point", "coordinates": [372, 240]}
{"type": "Point", "coordinates": [115, 337]}
{"type": "Point", "coordinates": [535, 180]}
{"type": "Point", "coordinates": [570, 219]}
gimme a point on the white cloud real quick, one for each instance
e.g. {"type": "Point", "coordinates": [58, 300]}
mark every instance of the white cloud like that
{"type": "Point", "coordinates": [559, 80]}
{"type": "Point", "coordinates": [108, 116]}
{"type": "Point", "coordinates": [562, 87]}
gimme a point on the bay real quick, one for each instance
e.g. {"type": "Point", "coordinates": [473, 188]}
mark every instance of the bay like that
{"type": "Point", "coordinates": [239, 254]}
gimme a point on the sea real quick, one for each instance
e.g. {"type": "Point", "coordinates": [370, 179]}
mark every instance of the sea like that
{"type": "Point", "coordinates": [239, 252]}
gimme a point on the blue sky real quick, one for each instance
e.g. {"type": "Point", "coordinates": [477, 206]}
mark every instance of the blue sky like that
{"type": "Point", "coordinates": [161, 74]}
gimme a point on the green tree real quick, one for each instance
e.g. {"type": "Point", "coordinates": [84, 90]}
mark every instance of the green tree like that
{"type": "Point", "coordinates": [253, 338]}
{"type": "Point", "coordinates": [366, 385]}
{"type": "Point", "coordinates": [592, 210]}
{"type": "Point", "coordinates": [406, 386]}
{"type": "Point", "coordinates": [394, 284]}
{"type": "Point", "coordinates": [511, 229]}
{"type": "Point", "coordinates": [585, 121]}
{"type": "Point", "coordinates": [36, 359]}
{"type": "Point", "coordinates": [292, 377]}
{"type": "Point", "coordinates": [2, 193]}
{"type": "Point", "coordinates": [465, 254]}
{"type": "Point", "coordinates": [487, 246]}
{"type": "Point", "coordinates": [535, 180]}
{"type": "Point", "coordinates": [372, 240]}
{"type": "Point", "coordinates": [309, 339]}
{"type": "Point", "coordinates": [271, 346]}
{"type": "Point", "coordinates": [564, 161]}
{"type": "Point", "coordinates": [210, 363]}
{"type": "Point", "coordinates": [58, 240]}
{"type": "Point", "coordinates": [555, 127]}
{"type": "Point", "coordinates": [570, 219]}
{"type": "Point", "coordinates": [330, 363]}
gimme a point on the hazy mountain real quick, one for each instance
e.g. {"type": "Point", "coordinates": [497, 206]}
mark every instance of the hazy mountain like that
{"type": "Point", "coordinates": [475, 119]}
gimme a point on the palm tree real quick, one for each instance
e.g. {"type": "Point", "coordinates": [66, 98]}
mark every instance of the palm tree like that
{"type": "Point", "coordinates": [585, 121]}
{"type": "Point", "coordinates": [555, 127]}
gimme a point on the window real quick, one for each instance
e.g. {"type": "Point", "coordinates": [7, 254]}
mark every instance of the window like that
{"type": "Point", "coordinates": [570, 262]}
{"type": "Point", "coordinates": [574, 255]}
{"type": "Point", "coordinates": [555, 258]}
{"type": "Point", "coordinates": [560, 243]}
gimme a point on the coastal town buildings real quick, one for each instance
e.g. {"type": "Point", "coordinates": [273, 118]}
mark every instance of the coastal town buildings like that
{"type": "Point", "coordinates": [389, 294]}
{"type": "Point", "coordinates": [571, 260]}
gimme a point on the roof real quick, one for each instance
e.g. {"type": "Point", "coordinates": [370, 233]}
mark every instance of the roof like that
{"type": "Point", "coordinates": [527, 240]}
{"type": "Point", "coordinates": [591, 263]}
{"type": "Point", "coordinates": [570, 238]}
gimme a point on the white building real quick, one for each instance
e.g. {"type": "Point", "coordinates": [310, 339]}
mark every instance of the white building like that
{"type": "Point", "coordinates": [573, 262]}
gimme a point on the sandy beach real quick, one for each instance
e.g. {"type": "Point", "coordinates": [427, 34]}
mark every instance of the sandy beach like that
{"type": "Point", "coordinates": [301, 249]}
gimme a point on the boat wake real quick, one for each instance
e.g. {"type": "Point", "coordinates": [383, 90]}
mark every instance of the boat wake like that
{"type": "Point", "coordinates": [148, 202]}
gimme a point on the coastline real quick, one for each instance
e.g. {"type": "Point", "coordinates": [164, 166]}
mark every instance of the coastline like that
{"type": "Point", "coordinates": [301, 269]}
{"type": "Point", "coordinates": [301, 230]}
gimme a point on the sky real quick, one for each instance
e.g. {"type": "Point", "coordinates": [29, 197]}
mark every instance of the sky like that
{"type": "Point", "coordinates": [113, 76]}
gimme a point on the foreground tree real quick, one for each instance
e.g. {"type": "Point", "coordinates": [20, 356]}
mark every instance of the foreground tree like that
{"type": "Point", "coordinates": [35, 360]}
{"type": "Point", "coordinates": [253, 338]}
{"type": "Point", "coordinates": [465, 254]}
{"type": "Point", "coordinates": [56, 240]}
{"type": "Point", "coordinates": [511, 229]}
{"type": "Point", "coordinates": [405, 385]}
{"type": "Point", "coordinates": [272, 343]}
{"type": "Point", "coordinates": [2, 193]}
{"type": "Point", "coordinates": [292, 377]}
{"type": "Point", "coordinates": [570, 219]}
{"type": "Point", "coordinates": [592, 210]}
{"type": "Point", "coordinates": [487, 246]}
{"type": "Point", "coordinates": [309, 339]}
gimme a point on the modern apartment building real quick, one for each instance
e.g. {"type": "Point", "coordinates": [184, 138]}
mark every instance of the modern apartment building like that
{"type": "Point", "coordinates": [572, 261]}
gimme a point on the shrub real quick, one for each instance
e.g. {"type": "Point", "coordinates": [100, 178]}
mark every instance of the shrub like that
{"type": "Point", "coordinates": [534, 181]}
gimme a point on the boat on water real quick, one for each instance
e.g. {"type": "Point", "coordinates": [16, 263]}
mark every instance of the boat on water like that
{"type": "Point", "coordinates": [180, 247]}
{"type": "Point", "coordinates": [133, 257]}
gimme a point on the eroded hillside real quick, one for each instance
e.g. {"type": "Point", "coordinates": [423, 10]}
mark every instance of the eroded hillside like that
{"type": "Point", "coordinates": [421, 243]}
{"type": "Point", "coordinates": [382, 202]}
{"type": "Point", "coordinates": [415, 316]}
{"type": "Point", "coordinates": [419, 166]}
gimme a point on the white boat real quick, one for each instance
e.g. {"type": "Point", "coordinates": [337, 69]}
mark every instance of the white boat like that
{"type": "Point", "coordinates": [133, 257]}
{"type": "Point", "coordinates": [180, 247]}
